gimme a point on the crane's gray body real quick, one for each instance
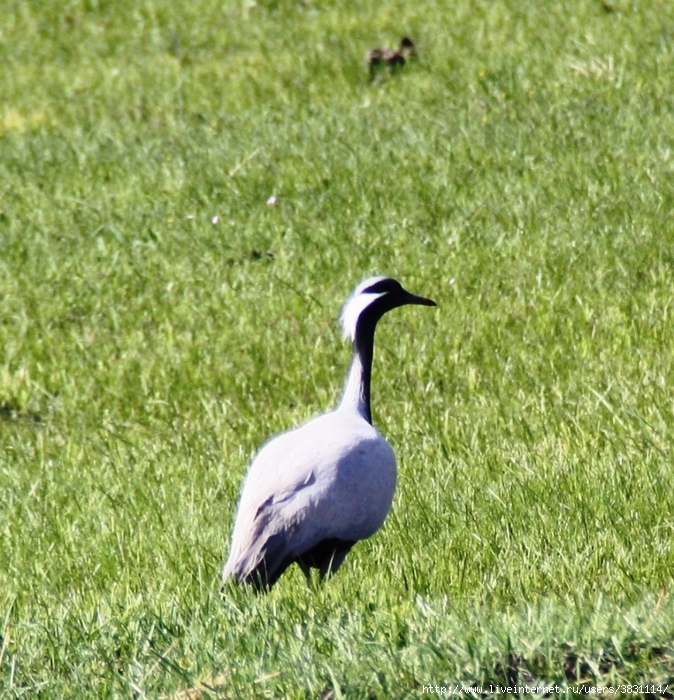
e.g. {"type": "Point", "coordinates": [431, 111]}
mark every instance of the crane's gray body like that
{"type": "Point", "coordinates": [332, 478]}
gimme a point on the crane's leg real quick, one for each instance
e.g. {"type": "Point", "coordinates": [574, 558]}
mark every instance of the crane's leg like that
{"type": "Point", "coordinates": [326, 556]}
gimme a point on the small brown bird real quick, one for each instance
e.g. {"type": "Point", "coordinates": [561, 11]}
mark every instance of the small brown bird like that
{"type": "Point", "coordinates": [376, 58]}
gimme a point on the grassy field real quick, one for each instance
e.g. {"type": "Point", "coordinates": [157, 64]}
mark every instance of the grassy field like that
{"type": "Point", "coordinates": [159, 320]}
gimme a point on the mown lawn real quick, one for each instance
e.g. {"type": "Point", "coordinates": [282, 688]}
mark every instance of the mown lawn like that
{"type": "Point", "coordinates": [159, 320]}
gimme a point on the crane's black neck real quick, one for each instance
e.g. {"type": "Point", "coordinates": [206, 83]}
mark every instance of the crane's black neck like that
{"type": "Point", "coordinates": [390, 295]}
{"type": "Point", "coordinates": [356, 396]}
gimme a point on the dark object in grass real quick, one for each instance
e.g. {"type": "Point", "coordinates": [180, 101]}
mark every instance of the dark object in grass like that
{"type": "Point", "coordinates": [379, 58]}
{"type": "Point", "coordinates": [11, 411]}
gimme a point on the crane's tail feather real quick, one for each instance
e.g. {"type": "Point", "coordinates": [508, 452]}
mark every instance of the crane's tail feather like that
{"type": "Point", "coordinates": [262, 568]}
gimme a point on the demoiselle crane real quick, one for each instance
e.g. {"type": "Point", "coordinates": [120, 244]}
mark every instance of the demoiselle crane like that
{"type": "Point", "coordinates": [313, 492]}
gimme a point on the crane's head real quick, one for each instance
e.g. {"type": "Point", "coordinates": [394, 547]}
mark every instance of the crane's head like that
{"type": "Point", "coordinates": [371, 300]}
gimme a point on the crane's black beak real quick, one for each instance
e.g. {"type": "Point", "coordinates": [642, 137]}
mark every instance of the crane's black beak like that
{"type": "Point", "coordinates": [409, 298]}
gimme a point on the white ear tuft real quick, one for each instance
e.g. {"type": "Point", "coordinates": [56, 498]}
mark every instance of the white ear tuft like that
{"type": "Point", "coordinates": [357, 303]}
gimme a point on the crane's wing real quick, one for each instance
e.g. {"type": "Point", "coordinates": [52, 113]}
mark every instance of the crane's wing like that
{"type": "Point", "coordinates": [282, 530]}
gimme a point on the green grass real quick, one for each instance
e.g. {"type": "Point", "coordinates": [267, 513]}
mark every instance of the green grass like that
{"type": "Point", "coordinates": [146, 352]}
